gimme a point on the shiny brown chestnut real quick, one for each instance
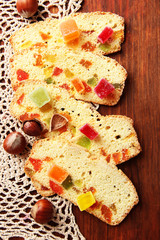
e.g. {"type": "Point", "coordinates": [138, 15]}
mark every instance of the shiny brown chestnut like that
{"type": "Point", "coordinates": [14, 143]}
{"type": "Point", "coordinates": [32, 128]}
{"type": "Point", "coordinates": [27, 8]}
{"type": "Point", "coordinates": [42, 211]}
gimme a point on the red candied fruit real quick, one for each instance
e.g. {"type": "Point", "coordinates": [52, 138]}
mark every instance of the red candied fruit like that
{"type": "Point", "coordinates": [105, 34]}
{"type": "Point", "coordinates": [37, 163]}
{"type": "Point", "coordinates": [89, 131]}
{"type": "Point", "coordinates": [55, 187]}
{"type": "Point", "coordinates": [57, 71]}
{"type": "Point", "coordinates": [103, 88]}
{"type": "Point", "coordinates": [22, 75]}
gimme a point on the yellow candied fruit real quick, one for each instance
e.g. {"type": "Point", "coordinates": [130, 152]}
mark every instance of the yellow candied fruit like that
{"type": "Point", "coordinates": [68, 73]}
{"type": "Point", "coordinates": [48, 71]}
{"type": "Point", "coordinates": [78, 183]}
{"type": "Point", "coordinates": [50, 57]}
{"type": "Point", "coordinates": [85, 200]}
{"type": "Point", "coordinates": [26, 44]}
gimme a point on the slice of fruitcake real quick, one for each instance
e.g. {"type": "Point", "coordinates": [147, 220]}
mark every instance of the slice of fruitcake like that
{"type": "Point", "coordinates": [112, 137]}
{"type": "Point", "coordinates": [58, 166]}
{"type": "Point", "coordinates": [87, 76]}
{"type": "Point", "coordinates": [97, 32]}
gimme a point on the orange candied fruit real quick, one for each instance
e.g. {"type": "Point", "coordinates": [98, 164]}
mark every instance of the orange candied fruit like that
{"type": "Point", "coordinates": [57, 173]}
{"type": "Point", "coordinates": [77, 83]}
{"type": "Point", "coordinates": [69, 30]}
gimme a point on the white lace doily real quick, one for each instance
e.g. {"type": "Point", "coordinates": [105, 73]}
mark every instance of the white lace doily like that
{"type": "Point", "coordinates": [17, 195]}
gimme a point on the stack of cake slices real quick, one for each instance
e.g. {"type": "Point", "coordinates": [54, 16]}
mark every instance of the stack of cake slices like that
{"type": "Point", "coordinates": [55, 81]}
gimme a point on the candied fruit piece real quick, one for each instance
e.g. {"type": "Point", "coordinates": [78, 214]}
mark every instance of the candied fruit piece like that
{"type": "Point", "coordinates": [39, 96]}
{"type": "Point", "coordinates": [89, 131]}
{"type": "Point", "coordinates": [49, 80]}
{"type": "Point", "coordinates": [26, 44]}
{"type": "Point", "coordinates": [68, 73]}
{"type": "Point", "coordinates": [57, 173]}
{"type": "Point", "coordinates": [37, 163]}
{"type": "Point", "coordinates": [92, 81]}
{"type": "Point", "coordinates": [87, 88]}
{"type": "Point", "coordinates": [48, 71]}
{"type": "Point", "coordinates": [84, 142]}
{"type": "Point", "coordinates": [57, 71]}
{"type": "Point", "coordinates": [67, 183]}
{"type": "Point", "coordinates": [50, 57]}
{"type": "Point", "coordinates": [22, 75]}
{"type": "Point", "coordinates": [55, 187]}
{"type": "Point", "coordinates": [103, 88]}
{"type": "Point", "coordinates": [77, 83]}
{"type": "Point", "coordinates": [85, 200]}
{"type": "Point", "coordinates": [105, 34]}
{"type": "Point", "coordinates": [69, 30]}
{"type": "Point", "coordinates": [105, 47]}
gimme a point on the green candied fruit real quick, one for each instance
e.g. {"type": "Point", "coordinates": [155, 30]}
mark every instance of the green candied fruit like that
{"type": "Point", "coordinates": [78, 183]}
{"type": "Point", "coordinates": [105, 47]}
{"type": "Point", "coordinates": [47, 121]}
{"type": "Point", "coordinates": [39, 96]}
{"type": "Point", "coordinates": [117, 85]}
{"type": "Point", "coordinates": [67, 183]}
{"type": "Point", "coordinates": [92, 81]}
{"type": "Point", "coordinates": [48, 80]}
{"type": "Point", "coordinates": [84, 142]}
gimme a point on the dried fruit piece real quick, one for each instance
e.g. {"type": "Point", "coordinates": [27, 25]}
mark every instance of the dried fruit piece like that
{"type": "Point", "coordinates": [106, 212]}
{"type": "Point", "coordinates": [84, 142]}
{"type": "Point", "coordinates": [57, 173]}
{"type": "Point", "coordinates": [105, 34]}
{"type": "Point", "coordinates": [57, 71]}
{"type": "Point", "coordinates": [67, 183]}
{"type": "Point", "coordinates": [39, 96]}
{"type": "Point", "coordinates": [92, 81]}
{"type": "Point", "coordinates": [86, 87]}
{"type": "Point", "coordinates": [49, 80]}
{"type": "Point", "coordinates": [42, 211]}
{"type": "Point", "coordinates": [89, 131]}
{"type": "Point", "coordinates": [22, 75]}
{"type": "Point", "coordinates": [85, 200]}
{"type": "Point", "coordinates": [103, 88]}
{"type": "Point", "coordinates": [55, 187]}
{"type": "Point", "coordinates": [79, 86]}
{"type": "Point", "coordinates": [57, 121]}
{"type": "Point", "coordinates": [37, 163]}
{"type": "Point", "coordinates": [69, 30]}
{"type": "Point", "coordinates": [105, 47]}
{"type": "Point", "coordinates": [68, 73]}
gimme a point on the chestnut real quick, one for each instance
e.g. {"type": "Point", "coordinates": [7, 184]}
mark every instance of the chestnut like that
{"type": "Point", "coordinates": [27, 8]}
{"type": "Point", "coordinates": [14, 143]}
{"type": "Point", "coordinates": [42, 211]}
{"type": "Point", "coordinates": [32, 128]}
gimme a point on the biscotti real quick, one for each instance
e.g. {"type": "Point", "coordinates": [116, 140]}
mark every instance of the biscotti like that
{"type": "Point", "coordinates": [90, 26]}
{"type": "Point", "coordinates": [79, 172]}
{"type": "Point", "coordinates": [65, 69]}
{"type": "Point", "coordinates": [117, 140]}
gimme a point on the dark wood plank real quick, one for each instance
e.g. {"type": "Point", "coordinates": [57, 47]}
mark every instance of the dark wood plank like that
{"type": "Point", "coordinates": [140, 101]}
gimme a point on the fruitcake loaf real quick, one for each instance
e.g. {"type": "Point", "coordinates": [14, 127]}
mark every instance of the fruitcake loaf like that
{"type": "Point", "coordinates": [116, 140]}
{"type": "Point", "coordinates": [71, 171]}
{"type": "Point", "coordinates": [90, 26]}
{"type": "Point", "coordinates": [67, 70]}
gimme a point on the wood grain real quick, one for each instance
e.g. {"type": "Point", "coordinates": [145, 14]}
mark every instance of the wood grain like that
{"type": "Point", "coordinates": [141, 101]}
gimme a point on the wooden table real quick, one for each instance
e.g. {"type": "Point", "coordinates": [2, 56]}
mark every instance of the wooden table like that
{"type": "Point", "coordinates": [141, 102]}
